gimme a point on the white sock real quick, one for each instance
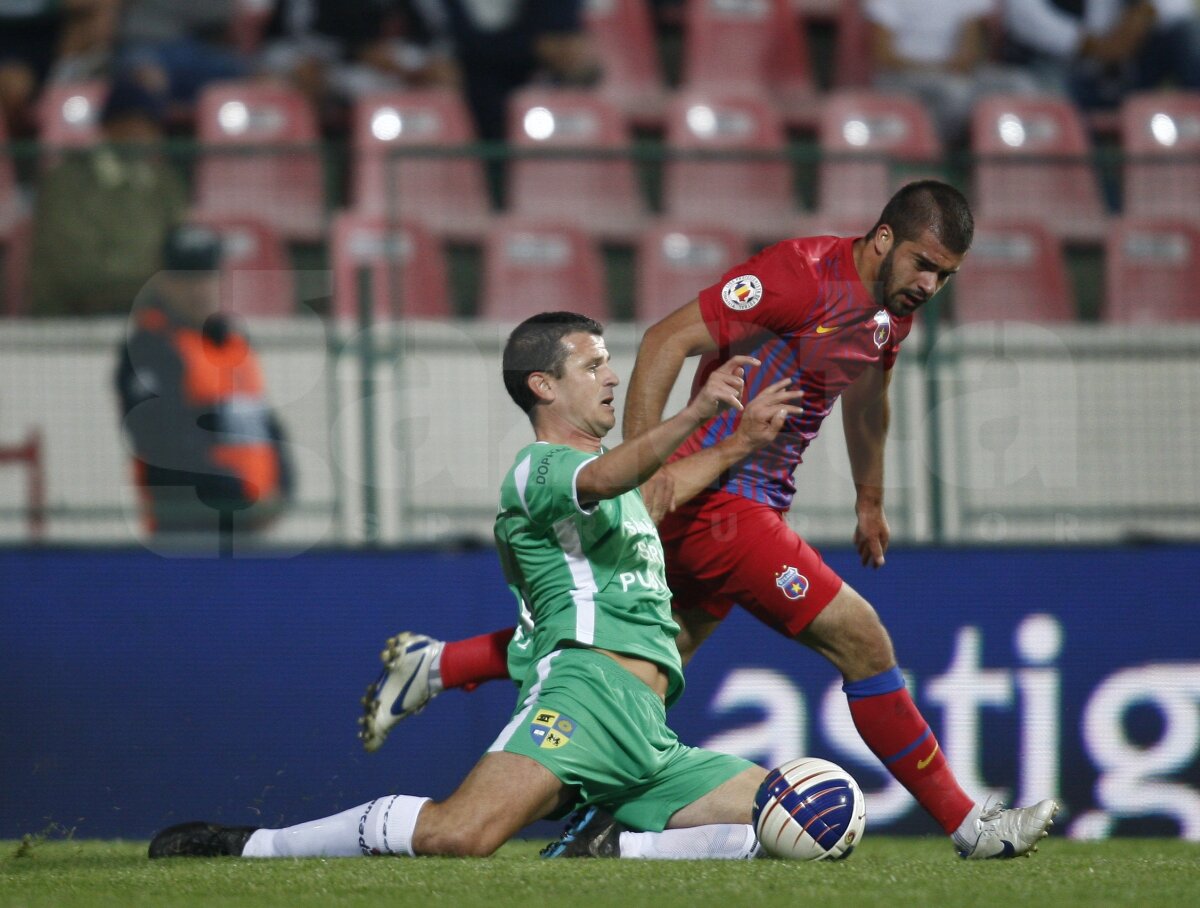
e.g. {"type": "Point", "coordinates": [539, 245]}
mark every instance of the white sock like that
{"type": "Point", "coordinates": [382, 826]}
{"type": "Point", "coordinates": [729, 841]}
{"type": "Point", "coordinates": [967, 833]}
{"type": "Point", "coordinates": [435, 673]}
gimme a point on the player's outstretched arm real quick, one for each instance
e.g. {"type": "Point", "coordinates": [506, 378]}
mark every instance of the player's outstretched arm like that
{"type": "Point", "coordinates": [761, 421]}
{"type": "Point", "coordinates": [635, 460]}
{"type": "Point", "coordinates": [865, 415]}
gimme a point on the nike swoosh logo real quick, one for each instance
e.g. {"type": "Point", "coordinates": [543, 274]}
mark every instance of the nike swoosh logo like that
{"type": "Point", "coordinates": [921, 764]}
{"type": "Point", "coordinates": [399, 701]}
{"type": "Point", "coordinates": [823, 329]}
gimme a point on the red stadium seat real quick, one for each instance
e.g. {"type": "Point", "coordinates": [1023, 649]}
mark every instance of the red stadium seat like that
{"type": "Point", "coordinates": [408, 268]}
{"type": "Point", "coordinates": [622, 31]}
{"type": "Point", "coordinates": [871, 144]}
{"type": "Point", "coordinates": [1033, 161]}
{"type": "Point", "coordinates": [597, 194]}
{"type": "Point", "coordinates": [750, 47]}
{"type": "Point", "coordinates": [1150, 271]}
{"type": "Point", "coordinates": [704, 182]}
{"type": "Point", "coordinates": [531, 267]}
{"type": "Point", "coordinates": [256, 273]}
{"type": "Point", "coordinates": [447, 192]}
{"type": "Point", "coordinates": [68, 114]}
{"type": "Point", "coordinates": [259, 157]}
{"type": "Point", "coordinates": [853, 66]}
{"type": "Point", "coordinates": [17, 247]}
{"type": "Point", "coordinates": [676, 261]}
{"type": "Point", "coordinates": [1014, 272]}
{"type": "Point", "coordinates": [1160, 138]}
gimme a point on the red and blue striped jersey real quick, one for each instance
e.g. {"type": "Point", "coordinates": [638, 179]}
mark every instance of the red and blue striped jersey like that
{"type": "Point", "coordinates": [799, 307]}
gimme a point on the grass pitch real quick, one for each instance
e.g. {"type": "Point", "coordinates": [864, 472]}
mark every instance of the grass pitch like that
{"type": "Point", "coordinates": [885, 872]}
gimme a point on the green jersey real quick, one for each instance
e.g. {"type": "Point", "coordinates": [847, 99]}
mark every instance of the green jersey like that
{"type": "Point", "coordinates": [591, 577]}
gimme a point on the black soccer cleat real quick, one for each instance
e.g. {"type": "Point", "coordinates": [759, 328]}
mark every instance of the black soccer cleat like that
{"type": "Point", "coordinates": [590, 833]}
{"type": "Point", "coordinates": [201, 840]}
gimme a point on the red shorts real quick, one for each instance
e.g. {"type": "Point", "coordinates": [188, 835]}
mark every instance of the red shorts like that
{"type": "Point", "coordinates": [725, 550]}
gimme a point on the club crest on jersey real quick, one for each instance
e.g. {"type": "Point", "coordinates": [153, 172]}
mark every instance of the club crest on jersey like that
{"type": "Point", "coordinates": [551, 730]}
{"type": "Point", "coordinates": [883, 328]}
{"type": "Point", "coordinates": [793, 584]}
{"type": "Point", "coordinates": [742, 293]}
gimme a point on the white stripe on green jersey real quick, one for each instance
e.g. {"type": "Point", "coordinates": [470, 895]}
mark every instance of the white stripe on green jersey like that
{"type": "Point", "coordinates": [590, 577]}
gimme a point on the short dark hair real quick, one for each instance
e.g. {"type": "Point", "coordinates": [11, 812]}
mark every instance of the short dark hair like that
{"type": "Point", "coordinates": [930, 205]}
{"type": "Point", "coordinates": [536, 346]}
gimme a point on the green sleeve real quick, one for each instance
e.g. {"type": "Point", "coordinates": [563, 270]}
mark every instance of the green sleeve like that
{"type": "Point", "coordinates": [549, 489]}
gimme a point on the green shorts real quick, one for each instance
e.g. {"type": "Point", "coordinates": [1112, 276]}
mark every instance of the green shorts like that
{"type": "Point", "coordinates": [602, 731]}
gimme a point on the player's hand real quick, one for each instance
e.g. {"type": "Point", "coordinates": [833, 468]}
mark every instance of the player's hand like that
{"type": "Point", "coordinates": [764, 416]}
{"type": "Point", "coordinates": [723, 388]}
{"type": "Point", "coordinates": [658, 494]}
{"type": "Point", "coordinates": [871, 536]}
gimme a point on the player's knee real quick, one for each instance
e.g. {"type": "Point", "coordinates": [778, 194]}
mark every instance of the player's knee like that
{"type": "Point", "coordinates": [460, 842]}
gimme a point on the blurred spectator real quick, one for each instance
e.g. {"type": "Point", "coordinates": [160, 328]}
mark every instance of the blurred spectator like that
{"type": "Point", "coordinates": [175, 49]}
{"type": "Point", "coordinates": [334, 50]}
{"type": "Point", "coordinates": [501, 45]}
{"type": "Point", "coordinates": [192, 400]}
{"type": "Point", "coordinates": [939, 50]}
{"type": "Point", "coordinates": [1100, 50]}
{"type": "Point", "coordinates": [101, 213]}
{"type": "Point", "coordinates": [46, 39]}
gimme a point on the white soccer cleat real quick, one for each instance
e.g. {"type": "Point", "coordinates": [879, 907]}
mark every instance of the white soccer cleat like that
{"type": "Point", "coordinates": [402, 688]}
{"type": "Point", "coordinates": [1009, 833]}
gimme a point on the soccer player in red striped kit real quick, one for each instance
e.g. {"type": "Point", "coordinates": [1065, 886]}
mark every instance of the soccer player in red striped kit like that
{"type": "Point", "coordinates": [830, 314]}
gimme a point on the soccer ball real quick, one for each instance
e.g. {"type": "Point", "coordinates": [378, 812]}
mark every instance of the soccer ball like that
{"type": "Point", "coordinates": [809, 810]}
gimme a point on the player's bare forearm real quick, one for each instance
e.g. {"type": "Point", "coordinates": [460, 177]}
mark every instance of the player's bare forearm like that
{"type": "Point", "coordinates": [865, 417]}
{"type": "Point", "coordinates": [630, 464]}
{"type": "Point", "coordinates": [760, 423]}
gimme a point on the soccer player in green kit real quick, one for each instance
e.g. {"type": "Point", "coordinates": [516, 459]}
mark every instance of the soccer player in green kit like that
{"type": "Point", "coordinates": [595, 647]}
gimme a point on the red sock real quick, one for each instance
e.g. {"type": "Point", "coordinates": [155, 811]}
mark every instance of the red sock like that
{"type": "Point", "coordinates": [898, 734]}
{"type": "Point", "coordinates": [468, 663]}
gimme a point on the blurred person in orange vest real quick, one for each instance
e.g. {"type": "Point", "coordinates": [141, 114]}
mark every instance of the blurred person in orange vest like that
{"type": "Point", "coordinates": [205, 444]}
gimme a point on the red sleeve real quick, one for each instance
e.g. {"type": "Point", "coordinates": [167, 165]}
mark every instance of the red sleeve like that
{"type": "Point", "coordinates": [772, 292]}
{"type": "Point", "coordinates": [900, 329]}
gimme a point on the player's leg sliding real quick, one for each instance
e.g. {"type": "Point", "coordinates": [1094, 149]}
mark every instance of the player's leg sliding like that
{"type": "Point", "coordinates": [892, 726]}
{"type": "Point", "coordinates": [386, 826]}
{"type": "Point", "coordinates": [417, 668]}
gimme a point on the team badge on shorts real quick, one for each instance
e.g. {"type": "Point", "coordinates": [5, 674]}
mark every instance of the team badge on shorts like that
{"type": "Point", "coordinates": [792, 583]}
{"type": "Point", "coordinates": [551, 730]}
{"type": "Point", "coordinates": [883, 328]}
{"type": "Point", "coordinates": [742, 293]}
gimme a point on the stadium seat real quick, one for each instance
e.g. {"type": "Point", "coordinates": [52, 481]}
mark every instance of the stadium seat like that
{"type": "Point", "coordinates": [853, 66]}
{"type": "Point", "coordinates": [675, 261]}
{"type": "Point", "coordinates": [705, 183]}
{"type": "Point", "coordinates": [259, 157]}
{"type": "Point", "coordinates": [750, 47]}
{"type": "Point", "coordinates": [622, 31]}
{"type": "Point", "coordinates": [1150, 271]}
{"type": "Point", "coordinates": [248, 20]}
{"type": "Point", "coordinates": [1033, 161]}
{"type": "Point", "coordinates": [1014, 272]}
{"type": "Point", "coordinates": [257, 279]}
{"type": "Point", "coordinates": [68, 114]}
{"type": "Point", "coordinates": [531, 267]}
{"type": "Point", "coordinates": [447, 192]}
{"type": "Point", "coordinates": [17, 247]}
{"type": "Point", "coordinates": [871, 144]}
{"type": "Point", "coordinates": [1160, 139]}
{"type": "Point", "coordinates": [408, 268]}
{"type": "Point", "coordinates": [598, 194]}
